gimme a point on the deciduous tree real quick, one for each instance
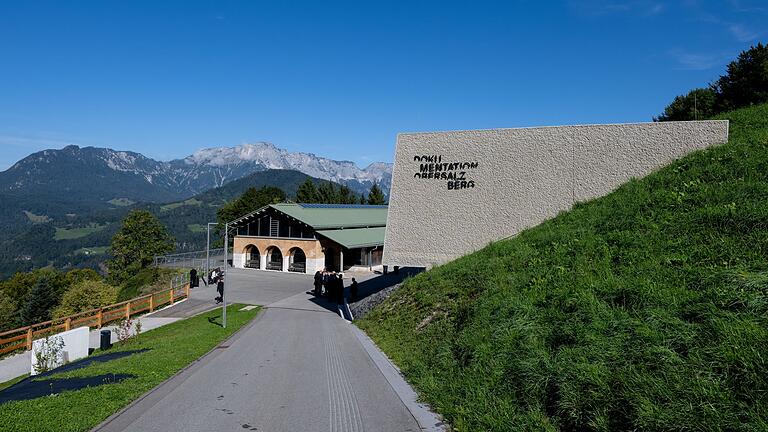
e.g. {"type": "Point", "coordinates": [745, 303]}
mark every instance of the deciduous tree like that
{"type": "Point", "coordinates": [698, 104]}
{"type": "Point", "coordinates": [746, 82]}
{"type": "Point", "coordinates": [140, 238]}
{"type": "Point", "coordinates": [86, 295]}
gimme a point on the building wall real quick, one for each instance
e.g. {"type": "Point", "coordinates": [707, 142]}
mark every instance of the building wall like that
{"type": "Point", "coordinates": [512, 179]}
{"type": "Point", "coordinates": [311, 247]}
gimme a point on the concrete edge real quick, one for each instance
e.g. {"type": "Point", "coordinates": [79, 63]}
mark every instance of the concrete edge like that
{"type": "Point", "coordinates": [422, 413]}
{"type": "Point", "coordinates": [202, 360]}
{"type": "Point", "coordinates": [168, 306]}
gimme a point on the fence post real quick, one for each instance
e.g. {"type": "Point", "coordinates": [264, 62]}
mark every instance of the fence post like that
{"type": "Point", "coordinates": [186, 290]}
{"type": "Point", "coordinates": [29, 338]}
{"type": "Point", "coordinates": [67, 324]}
{"type": "Point", "coordinates": [100, 316]}
{"type": "Point", "coordinates": [151, 302]}
{"type": "Point", "coordinates": [128, 310]}
{"type": "Point", "coordinates": [171, 293]}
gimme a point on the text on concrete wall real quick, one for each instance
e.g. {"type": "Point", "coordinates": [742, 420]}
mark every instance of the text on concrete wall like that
{"type": "Point", "coordinates": [456, 175]}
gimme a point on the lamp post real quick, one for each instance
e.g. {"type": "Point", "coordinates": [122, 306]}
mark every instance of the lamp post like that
{"type": "Point", "coordinates": [226, 264]}
{"type": "Point", "coordinates": [208, 250]}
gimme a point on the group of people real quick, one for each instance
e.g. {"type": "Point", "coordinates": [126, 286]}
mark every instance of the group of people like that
{"type": "Point", "coordinates": [331, 284]}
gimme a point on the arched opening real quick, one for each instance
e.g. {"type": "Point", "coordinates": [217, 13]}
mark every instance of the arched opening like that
{"type": "Point", "coordinates": [297, 260]}
{"type": "Point", "coordinates": [330, 258]}
{"type": "Point", "coordinates": [252, 257]}
{"type": "Point", "coordinates": [274, 259]}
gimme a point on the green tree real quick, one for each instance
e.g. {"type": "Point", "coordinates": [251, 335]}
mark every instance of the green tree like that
{"type": "Point", "coordinates": [327, 193]}
{"type": "Point", "coordinates": [41, 300]}
{"type": "Point", "coordinates": [346, 196]}
{"type": "Point", "coordinates": [307, 192]}
{"type": "Point", "coordinates": [332, 193]}
{"type": "Point", "coordinates": [17, 288]}
{"type": "Point", "coordinates": [86, 295]}
{"type": "Point", "coordinates": [140, 238]}
{"type": "Point", "coordinates": [251, 200]}
{"type": "Point", "coordinates": [9, 317]}
{"type": "Point", "coordinates": [376, 196]}
{"type": "Point", "coordinates": [746, 82]}
{"type": "Point", "coordinates": [76, 276]}
{"type": "Point", "coordinates": [698, 104]}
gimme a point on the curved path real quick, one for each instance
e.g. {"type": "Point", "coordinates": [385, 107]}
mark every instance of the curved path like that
{"type": "Point", "coordinates": [297, 367]}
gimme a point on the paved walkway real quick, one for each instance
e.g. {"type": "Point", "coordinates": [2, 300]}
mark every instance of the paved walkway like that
{"type": "Point", "coordinates": [297, 367]}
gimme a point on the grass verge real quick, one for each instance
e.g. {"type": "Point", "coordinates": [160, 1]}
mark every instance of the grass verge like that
{"type": "Point", "coordinates": [644, 310]}
{"type": "Point", "coordinates": [168, 349]}
{"type": "Point", "coordinates": [148, 280]}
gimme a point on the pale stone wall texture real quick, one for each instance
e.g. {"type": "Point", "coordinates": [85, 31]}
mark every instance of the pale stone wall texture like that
{"type": "Point", "coordinates": [514, 179]}
{"type": "Point", "coordinates": [312, 250]}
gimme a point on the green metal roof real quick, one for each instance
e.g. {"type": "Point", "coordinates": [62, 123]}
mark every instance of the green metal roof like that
{"type": "Point", "coordinates": [327, 216]}
{"type": "Point", "coordinates": [331, 216]}
{"type": "Point", "coordinates": [356, 237]}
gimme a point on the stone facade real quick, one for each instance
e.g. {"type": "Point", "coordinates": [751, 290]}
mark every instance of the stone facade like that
{"type": "Point", "coordinates": [312, 248]}
{"type": "Point", "coordinates": [454, 192]}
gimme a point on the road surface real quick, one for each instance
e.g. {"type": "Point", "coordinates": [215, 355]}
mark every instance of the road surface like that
{"type": "Point", "coordinates": [297, 367]}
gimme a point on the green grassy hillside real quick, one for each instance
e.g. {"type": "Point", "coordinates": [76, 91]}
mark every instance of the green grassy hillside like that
{"type": "Point", "coordinates": [643, 310]}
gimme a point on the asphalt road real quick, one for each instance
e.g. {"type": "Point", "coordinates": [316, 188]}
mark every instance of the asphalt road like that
{"type": "Point", "coordinates": [297, 367]}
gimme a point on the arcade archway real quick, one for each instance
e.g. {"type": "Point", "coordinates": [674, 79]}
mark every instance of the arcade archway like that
{"type": "Point", "coordinates": [274, 259]}
{"type": "Point", "coordinates": [297, 260]}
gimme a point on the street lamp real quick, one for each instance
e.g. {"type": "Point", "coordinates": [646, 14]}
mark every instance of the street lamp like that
{"type": "Point", "coordinates": [226, 265]}
{"type": "Point", "coordinates": [208, 250]}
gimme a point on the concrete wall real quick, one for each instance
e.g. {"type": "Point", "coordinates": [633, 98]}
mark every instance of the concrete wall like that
{"type": "Point", "coordinates": [75, 347]}
{"type": "Point", "coordinates": [507, 180]}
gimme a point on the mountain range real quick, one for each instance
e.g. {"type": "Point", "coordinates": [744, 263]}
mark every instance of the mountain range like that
{"type": "Point", "coordinates": [99, 175]}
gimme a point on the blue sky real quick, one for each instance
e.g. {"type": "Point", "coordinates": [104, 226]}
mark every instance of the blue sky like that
{"type": "Point", "coordinates": [341, 79]}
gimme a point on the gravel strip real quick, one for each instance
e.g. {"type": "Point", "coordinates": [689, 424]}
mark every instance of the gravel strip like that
{"type": "Point", "coordinates": [363, 306]}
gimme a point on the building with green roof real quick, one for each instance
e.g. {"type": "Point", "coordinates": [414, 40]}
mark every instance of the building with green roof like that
{"type": "Point", "coordinates": [310, 237]}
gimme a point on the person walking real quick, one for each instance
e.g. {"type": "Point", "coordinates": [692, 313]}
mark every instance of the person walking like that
{"type": "Point", "coordinates": [353, 290]}
{"type": "Point", "coordinates": [318, 283]}
{"type": "Point", "coordinates": [339, 288]}
{"type": "Point", "coordinates": [326, 283]}
{"type": "Point", "coordinates": [220, 289]}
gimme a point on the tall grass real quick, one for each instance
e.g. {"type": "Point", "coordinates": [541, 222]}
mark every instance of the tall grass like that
{"type": "Point", "coordinates": [643, 310]}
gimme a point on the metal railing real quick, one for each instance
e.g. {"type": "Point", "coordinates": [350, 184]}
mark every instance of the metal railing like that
{"type": "Point", "coordinates": [21, 338]}
{"type": "Point", "coordinates": [190, 260]}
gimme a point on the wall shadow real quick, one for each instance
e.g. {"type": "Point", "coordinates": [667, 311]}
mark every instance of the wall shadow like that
{"type": "Point", "coordinates": [378, 283]}
{"type": "Point", "coordinates": [325, 302]}
{"type": "Point", "coordinates": [28, 389]}
{"type": "Point", "coordinates": [36, 386]}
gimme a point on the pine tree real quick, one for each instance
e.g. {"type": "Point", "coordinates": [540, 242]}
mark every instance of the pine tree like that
{"type": "Point", "coordinates": [327, 193]}
{"type": "Point", "coordinates": [346, 196]}
{"type": "Point", "coordinates": [40, 301]}
{"type": "Point", "coordinates": [307, 192]}
{"type": "Point", "coordinates": [376, 196]}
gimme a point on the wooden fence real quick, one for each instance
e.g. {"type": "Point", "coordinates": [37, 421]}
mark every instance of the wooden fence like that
{"type": "Point", "coordinates": [21, 338]}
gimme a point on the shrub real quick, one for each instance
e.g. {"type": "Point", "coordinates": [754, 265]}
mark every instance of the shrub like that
{"type": "Point", "coordinates": [86, 295]}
